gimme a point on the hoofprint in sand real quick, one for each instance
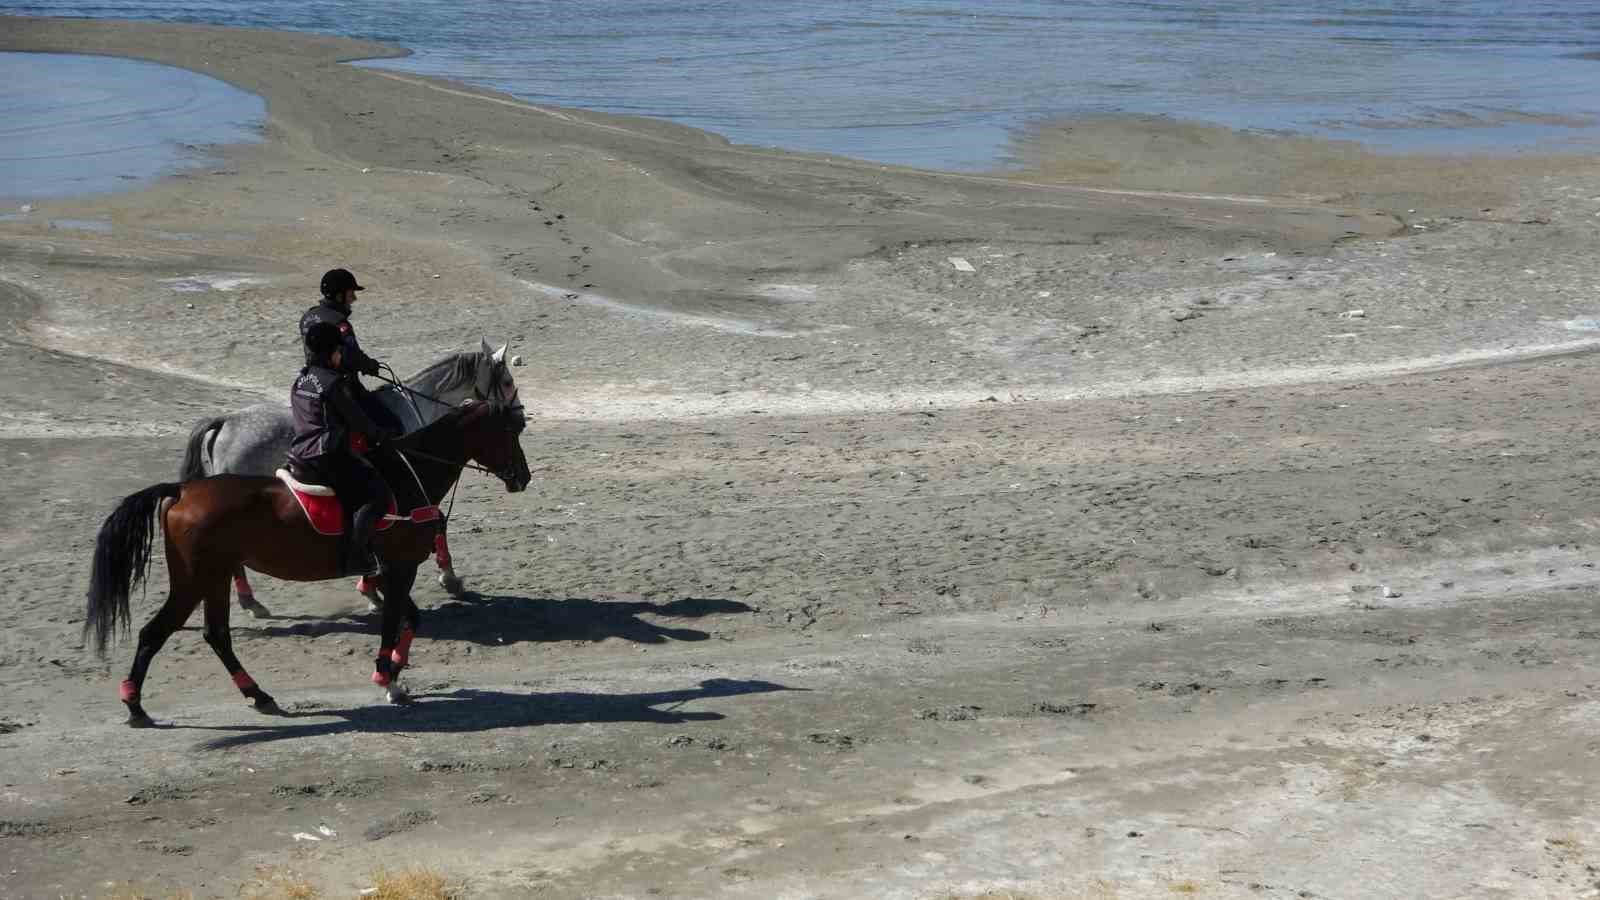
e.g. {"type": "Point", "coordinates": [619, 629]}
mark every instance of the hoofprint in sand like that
{"type": "Point", "coordinates": [1186, 544]}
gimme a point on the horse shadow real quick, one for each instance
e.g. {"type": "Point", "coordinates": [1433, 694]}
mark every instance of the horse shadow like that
{"type": "Point", "coordinates": [499, 619]}
{"type": "Point", "coordinates": [469, 710]}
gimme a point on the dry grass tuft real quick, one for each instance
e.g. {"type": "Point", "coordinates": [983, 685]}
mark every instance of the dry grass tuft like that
{"type": "Point", "coordinates": [275, 883]}
{"type": "Point", "coordinates": [131, 891]}
{"type": "Point", "coordinates": [1186, 886]}
{"type": "Point", "coordinates": [992, 895]}
{"type": "Point", "coordinates": [278, 883]}
{"type": "Point", "coordinates": [1098, 889]}
{"type": "Point", "coordinates": [412, 884]}
{"type": "Point", "coordinates": [1002, 894]}
{"type": "Point", "coordinates": [1567, 847]}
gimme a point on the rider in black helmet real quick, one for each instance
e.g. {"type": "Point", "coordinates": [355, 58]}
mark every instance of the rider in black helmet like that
{"type": "Point", "coordinates": [325, 415]}
{"type": "Point", "coordinates": [338, 293]}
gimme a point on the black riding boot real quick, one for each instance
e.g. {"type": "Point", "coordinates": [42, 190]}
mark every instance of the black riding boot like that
{"type": "Point", "coordinates": [361, 559]}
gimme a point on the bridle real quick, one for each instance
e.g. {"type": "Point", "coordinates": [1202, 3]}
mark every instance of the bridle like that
{"type": "Point", "coordinates": [497, 384]}
{"type": "Point", "coordinates": [506, 474]}
{"type": "Point", "coordinates": [513, 404]}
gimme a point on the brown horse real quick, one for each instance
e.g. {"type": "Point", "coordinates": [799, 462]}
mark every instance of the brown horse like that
{"type": "Point", "coordinates": [214, 525]}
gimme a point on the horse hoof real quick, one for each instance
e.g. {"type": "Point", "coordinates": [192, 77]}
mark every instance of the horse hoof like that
{"type": "Point", "coordinates": [452, 585]}
{"type": "Point", "coordinates": [140, 720]}
{"type": "Point", "coordinates": [397, 695]}
{"type": "Point", "coordinates": [373, 606]}
{"type": "Point", "coordinates": [267, 706]}
{"type": "Point", "coordinates": [256, 610]}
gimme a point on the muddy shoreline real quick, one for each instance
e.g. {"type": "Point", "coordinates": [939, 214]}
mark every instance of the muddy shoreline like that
{"type": "Point", "coordinates": [1222, 545]}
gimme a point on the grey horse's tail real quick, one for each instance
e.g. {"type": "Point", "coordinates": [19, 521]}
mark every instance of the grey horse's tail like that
{"type": "Point", "coordinates": [200, 439]}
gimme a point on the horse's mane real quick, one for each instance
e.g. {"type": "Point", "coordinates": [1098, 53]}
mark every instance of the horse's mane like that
{"type": "Point", "coordinates": [463, 370]}
{"type": "Point", "coordinates": [448, 420]}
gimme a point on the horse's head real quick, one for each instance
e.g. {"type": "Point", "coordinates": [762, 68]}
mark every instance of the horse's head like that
{"type": "Point", "coordinates": [491, 434]}
{"type": "Point", "coordinates": [493, 382]}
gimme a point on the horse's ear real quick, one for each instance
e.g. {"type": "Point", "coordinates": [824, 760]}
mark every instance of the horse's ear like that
{"type": "Point", "coordinates": [487, 350]}
{"type": "Point", "coordinates": [500, 355]}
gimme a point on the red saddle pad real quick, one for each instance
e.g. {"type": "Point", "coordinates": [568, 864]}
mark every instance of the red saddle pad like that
{"type": "Point", "coordinates": [326, 513]}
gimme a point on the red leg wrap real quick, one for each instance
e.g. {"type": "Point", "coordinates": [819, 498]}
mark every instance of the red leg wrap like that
{"type": "Point", "coordinates": [363, 586]}
{"type": "Point", "coordinates": [243, 681]}
{"type": "Point", "coordinates": [381, 679]}
{"type": "Point", "coordinates": [242, 587]}
{"type": "Point", "coordinates": [441, 551]}
{"type": "Point", "coordinates": [130, 691]}
{"type": "Point", "coordinates": [402, 647]}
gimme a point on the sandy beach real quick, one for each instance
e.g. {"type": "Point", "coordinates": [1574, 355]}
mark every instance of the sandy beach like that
{"type": "Point", "coordinates": [1190, 513]}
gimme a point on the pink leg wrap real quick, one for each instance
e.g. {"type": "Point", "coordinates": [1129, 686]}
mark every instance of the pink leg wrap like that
{"type": "Point", "coordinates": [381, 679]}
{"type": "Point", "coordinates": [364, 586]}
{"type": "Point", "coordinates": [242, 588]}
{"type": "Point", "coordinates": [130, 691]}
{"type": "Point", "coordinates": [402, 648]}
{"type": "Point", "coordinates": [243, 681]}
{"type": "Point", "coordinates": [441, 551]}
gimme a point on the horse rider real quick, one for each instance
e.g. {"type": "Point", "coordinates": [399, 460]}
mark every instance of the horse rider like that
{"type": "Point", "coordinates": [326, 413]}
{"type": "Point", "coordinates": [338, 293]}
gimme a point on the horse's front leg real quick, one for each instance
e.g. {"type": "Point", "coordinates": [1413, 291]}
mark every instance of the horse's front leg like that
{"type": "Point", "coordinates": [398, 630]}
{"type": "Point", "coordinates": [368, 588]}
{"type": "Point", "coordinates": [448, 579]}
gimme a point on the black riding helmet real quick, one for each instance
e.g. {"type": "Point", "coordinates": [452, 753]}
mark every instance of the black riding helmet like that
{"type": "Point", "coordinates": [322, 339]}
{"type": "Point", "coordinates": [336, 281]}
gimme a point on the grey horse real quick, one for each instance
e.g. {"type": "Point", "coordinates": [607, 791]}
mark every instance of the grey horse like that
{"type": "Point", "coordinates": [255, 440]}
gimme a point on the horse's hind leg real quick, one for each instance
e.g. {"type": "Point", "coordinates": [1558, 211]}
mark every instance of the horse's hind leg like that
{"type": "Point", "coordinates": [221, 641]}
{"type": "Point", "coordinates": [247, 596]}
{"type": "Point", "coordinates": [152, 636]}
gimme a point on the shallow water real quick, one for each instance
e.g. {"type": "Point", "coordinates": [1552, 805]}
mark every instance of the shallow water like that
{"type": "Point", "coordinates": [72, 124]}
{"type": "Point", "coordinates": [946, 83]}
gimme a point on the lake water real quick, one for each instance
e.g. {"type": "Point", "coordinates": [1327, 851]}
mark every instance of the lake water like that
{"type": "Point", "coordinates": [72, 124]}
{"type": "Point", "coordinates": [948, 83]}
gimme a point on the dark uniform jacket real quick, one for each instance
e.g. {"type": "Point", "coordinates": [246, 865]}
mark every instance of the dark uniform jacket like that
{"type": "Point", "coordinates": [325, 412]}
{"type": "Point", "coordinates": [338, 315]}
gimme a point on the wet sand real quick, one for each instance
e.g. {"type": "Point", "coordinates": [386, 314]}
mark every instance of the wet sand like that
{"type": "Point", "coordinates": [1212, 535]}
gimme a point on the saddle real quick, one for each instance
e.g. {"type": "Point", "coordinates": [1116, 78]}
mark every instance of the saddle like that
{"type": "Point", "coordinates": [326, 514]}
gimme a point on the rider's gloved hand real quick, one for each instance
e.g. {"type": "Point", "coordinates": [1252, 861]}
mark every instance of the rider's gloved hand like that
{"type": "Point", "coordinates": [370, 367]}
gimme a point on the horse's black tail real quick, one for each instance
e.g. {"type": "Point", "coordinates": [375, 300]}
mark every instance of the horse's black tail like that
{"type": "Point", "coordinates": [121, 558]}
{"type": "Point", "coordinates": [194, 464]}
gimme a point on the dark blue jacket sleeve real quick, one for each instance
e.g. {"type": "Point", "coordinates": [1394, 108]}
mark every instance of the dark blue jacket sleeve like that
{"type": "Point", "coordinates": [355, 359]}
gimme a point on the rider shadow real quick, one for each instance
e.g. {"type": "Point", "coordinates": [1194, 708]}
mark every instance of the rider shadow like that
{"type": "Point", "coordinates": [468, 710]}
{"type": "Point", "coordinates": [499, 619]}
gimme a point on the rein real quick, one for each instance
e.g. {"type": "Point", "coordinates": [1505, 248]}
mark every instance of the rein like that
{"type": "Point", "coordinates": [464, 463]}
{"type": "Point", "coordinates": [410, 391]}
{"type": "Point", "coordinates": [413, 392]}
{"type": "Point", "coordinates": [395, 380]}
